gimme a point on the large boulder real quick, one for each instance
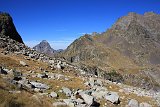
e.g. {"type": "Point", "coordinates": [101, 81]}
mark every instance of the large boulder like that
{"type": "Point", "coordinates": [69, 102]}
{"type": "Point", "coordinates": [53, 94]}
{"type": "Point", "coordinates": [133, 103]}
{"type": "Point", "coordinates": [99, 93]}
{"type": "Point", "coordinates": [67, 91]}
{"type": "Point", "coordinates": [87, 99]}
{"type": "Point", "coordinates": [112, 97]}
{"type": "Point", "coordinates": [39, 85]}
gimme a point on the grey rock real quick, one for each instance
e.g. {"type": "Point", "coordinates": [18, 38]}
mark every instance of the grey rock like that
{"type": "Point", "coordinates": [98, 82]}
{"type": "Point", "coordinates": [99, 94]}
{"type": "Point", "coordinates": [133, 103]}
{"type": "Point", "coordinates": [23, 63]}
{"type": "Point", "coordinates": [87, 99]}
{"type": "Point", "coordinates": [31, 55]}
{"type": "Point", "coordinates": [36, 89]}
{"type": "Point", "coordinates": [67, 101]}
{"type": "Point", "coordinates": [143, 104]}
{"type": "Point", "coordinates": [51, 61]}
{"type": "Point", "coordinates": [112, 97]}
{"type": "Point", "coordinates": [39, 75]}
{"type": "Point", "coordinates": [58, 66]}
{"type": "Point", "coordinates": [71, 104]}
{"type": "Point", "coordinates": [43, 75]}
{"type": "Point", "coordinates": [67, 91]}
{"type": "Point", "coordinates": [79, 101]}
{"type": "Point", "coordinates": [39, 85]}
{"type": "Point", "coordinates": [53, 94]}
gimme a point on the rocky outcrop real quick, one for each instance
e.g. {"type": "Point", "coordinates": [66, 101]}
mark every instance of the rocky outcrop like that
{"type": "Point", "coordinates": [7, 27]}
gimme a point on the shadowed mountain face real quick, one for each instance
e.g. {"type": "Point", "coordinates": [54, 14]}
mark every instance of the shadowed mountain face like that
{"type": "Point", "coordinates": [131, 44]}
{"type": "Point", "coordinates": [44, 47]}
{"type": "Point", "coordinates": [7, 27]}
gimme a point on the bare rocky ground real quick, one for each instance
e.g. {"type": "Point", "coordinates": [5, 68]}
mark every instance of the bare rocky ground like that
{"type": "Point", "coordinates": [29, 79]}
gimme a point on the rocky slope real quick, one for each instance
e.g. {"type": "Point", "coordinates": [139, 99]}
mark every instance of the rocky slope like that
{"type": "Point", "coordinates": [130, 46]}
{"type": "Point", "coordinates": [44, 47]}
{"type": "Point", "coordinates": [29, 78]}
{"type": "Point", "coordinates": [32, 79]}
{"type": "Point", "coordinates": [7, 27]}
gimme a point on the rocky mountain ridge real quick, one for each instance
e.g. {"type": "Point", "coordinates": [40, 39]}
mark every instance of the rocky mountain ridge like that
{"type": "Point", "coordinates": [130, 46]}
{"type": "Point", "coordinates": [7, 27]}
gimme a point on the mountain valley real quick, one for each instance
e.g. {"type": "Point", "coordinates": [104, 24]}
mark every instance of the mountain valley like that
{"type": "Point", "coordinates": [116, 68]}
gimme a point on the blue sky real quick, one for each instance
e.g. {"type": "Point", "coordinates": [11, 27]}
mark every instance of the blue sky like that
{"type": "Point", "coordinates": [62, 21]}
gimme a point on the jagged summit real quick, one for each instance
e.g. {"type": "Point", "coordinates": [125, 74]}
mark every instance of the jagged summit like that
{"type": "Point", "coordinates": [149, 20]}
{"type": "Point", "coordinates": [45, 41]}
{"type": "Point", "coordinates": [44, 47]}
{"type": "Point", "coordinates": [7, 27]}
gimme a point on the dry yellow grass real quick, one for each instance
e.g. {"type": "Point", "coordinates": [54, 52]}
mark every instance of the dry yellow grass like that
{"type": "Point", "coordinates": [25, 99]}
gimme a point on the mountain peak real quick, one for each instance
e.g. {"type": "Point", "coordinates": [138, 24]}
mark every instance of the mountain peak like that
{"type": "Point", "coordinates": [132, 14]}
{"type": "Point", "coordinates": [151, 13]}
{"type": "Point", "coordinates": [124, 22]}
{"type": "Point", "coordinates": [7, 27]}
{"type": "Point", "coordinates": [45, 41]}
{"type": "Point", "coordinates": [44, 47]}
